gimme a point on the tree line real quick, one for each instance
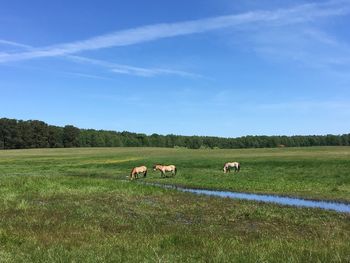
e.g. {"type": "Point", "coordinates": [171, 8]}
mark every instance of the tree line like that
{"type": "Point", "coordinates": [19, 134]}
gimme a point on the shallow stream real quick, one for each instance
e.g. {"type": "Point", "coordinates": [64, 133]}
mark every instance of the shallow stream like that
{"type": "Point", "coordinates": [290, 201]}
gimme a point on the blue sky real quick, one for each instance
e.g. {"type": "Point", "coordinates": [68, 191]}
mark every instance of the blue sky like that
{"type": "Point", "coordinates": [223, 68]}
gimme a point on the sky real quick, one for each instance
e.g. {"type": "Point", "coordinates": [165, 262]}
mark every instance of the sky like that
{"type": "Point", "coordinates": [209, 67]}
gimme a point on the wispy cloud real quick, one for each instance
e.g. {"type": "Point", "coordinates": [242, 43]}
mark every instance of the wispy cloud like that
{"type": "Point", "coordinates": [297, 14]}
{"type": "Point", "coordinates": [306, 47]}
{"type": "Point", "coordinates": [14, 44]}
{"type": "Point", "coordinates": [132, 70]}
{"type": "Point", "coordinates": [308, 106]}
{"type": "Point", "coordinates": [112, 67]}
{"type": "Point", "coordinates": [151, 72]}
{"type": "Point", "coordinates": [84, 75]}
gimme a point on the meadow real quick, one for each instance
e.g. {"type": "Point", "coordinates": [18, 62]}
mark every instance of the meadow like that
{"type": "Point", "coordinates": [64, 205]}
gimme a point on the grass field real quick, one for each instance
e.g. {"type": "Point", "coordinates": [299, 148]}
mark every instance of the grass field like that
{"type": "Point", "coordinates": [64, 205]}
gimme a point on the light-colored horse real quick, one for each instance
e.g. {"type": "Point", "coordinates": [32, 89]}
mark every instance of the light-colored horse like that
{"type": "Point", "coordinates": [165, 168]}
{"type": "Point", "coordinates": [136, 171]}
{"type": "Point", "coordinates": [235, 165]}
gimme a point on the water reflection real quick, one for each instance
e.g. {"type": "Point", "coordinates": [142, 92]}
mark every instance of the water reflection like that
{"type": "Point", "coordinates": [339, 207]}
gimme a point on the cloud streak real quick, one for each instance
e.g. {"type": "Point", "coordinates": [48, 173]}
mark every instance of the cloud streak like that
{"type": "Point", "coordinates": [14, 44]}
{"type": "Point", "coordinates": [305, 47]}
{"type": "Point", "coordinates": [298, 14]}
{"type": "Point", "coordinates": [339, 107]}
{"type": "Point", "coordinates": [113, 67]}
{"type": "Point", "coordinates": [132, 70]}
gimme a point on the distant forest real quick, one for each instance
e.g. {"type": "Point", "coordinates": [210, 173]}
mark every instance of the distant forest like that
{"type": "Point", "coordinates": [18, 134]}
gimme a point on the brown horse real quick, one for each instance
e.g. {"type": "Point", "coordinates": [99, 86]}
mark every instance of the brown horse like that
{"type": "Point", "coordinates": [235, 165]}
{"type": "Point", "coordinates": [136, 171]}
{"type": "Point", "coordinates": [165, 168]}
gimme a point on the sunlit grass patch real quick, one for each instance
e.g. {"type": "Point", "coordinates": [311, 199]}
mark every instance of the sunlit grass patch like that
{"type": "Point", "coordinates": [69, 205]}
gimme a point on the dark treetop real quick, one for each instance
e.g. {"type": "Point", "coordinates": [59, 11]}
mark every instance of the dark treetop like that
{"type": "Point", "coordinates": [18, 134]}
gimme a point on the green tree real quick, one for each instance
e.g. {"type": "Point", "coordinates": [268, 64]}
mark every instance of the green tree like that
{"type": "Point", "coordinates": [70, 136]}
{"type": "Point", "coordinates": [55, 137]}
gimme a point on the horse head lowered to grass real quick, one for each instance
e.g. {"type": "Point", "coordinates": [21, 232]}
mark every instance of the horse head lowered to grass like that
{"type": "Point", "coordinates": [136, 171]}
{"type": "Point", "coordinates": [235, 165]}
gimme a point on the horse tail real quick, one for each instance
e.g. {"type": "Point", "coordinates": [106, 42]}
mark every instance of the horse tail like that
{"type": "Point", "coordinates": [175, 170]}
{"type": "Point", "coordinates": [145, 174]}
{"type": "Point", "coordinates": [238, 167]}
{"type": "Point", "coordinates": [132, 170]}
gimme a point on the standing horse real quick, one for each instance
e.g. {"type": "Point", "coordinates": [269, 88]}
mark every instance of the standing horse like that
{"type": "Point", "coordinates": [136, 171]}
{"type": "Point", "coordinates": [235, 165]}
{"type": "Point", "coordinates": [165, 168]}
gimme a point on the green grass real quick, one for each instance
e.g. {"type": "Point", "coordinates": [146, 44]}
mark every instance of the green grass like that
{"type": "Point", "coordinates": [313, 173]}
{"type": "Point", "coordinates": [64, 205]}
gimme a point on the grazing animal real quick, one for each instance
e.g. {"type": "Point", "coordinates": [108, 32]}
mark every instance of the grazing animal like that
{"type": "Point", "coordinates": [165, 168]}
{"type": "Point", "coordinates": [136, 171]}
{"type": "Point", "coordinates": [235, 165]}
